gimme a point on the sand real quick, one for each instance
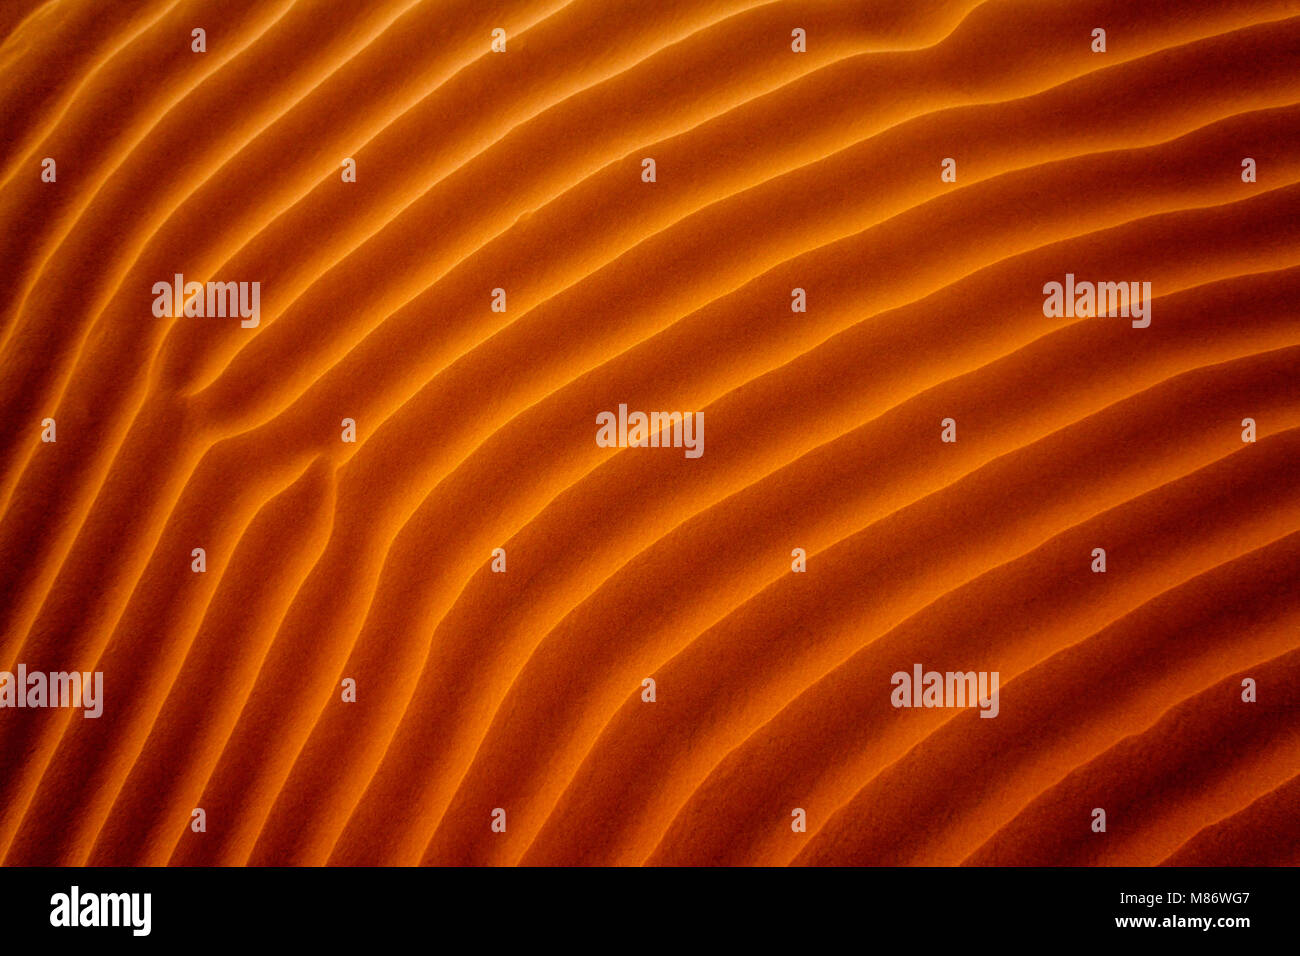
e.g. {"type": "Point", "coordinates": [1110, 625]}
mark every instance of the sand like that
{"type": "Point", "coordinates": [371, 560]}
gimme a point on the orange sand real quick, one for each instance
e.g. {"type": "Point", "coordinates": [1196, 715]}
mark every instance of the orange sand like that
{"type": "Point", "coordinates": [475, 429]}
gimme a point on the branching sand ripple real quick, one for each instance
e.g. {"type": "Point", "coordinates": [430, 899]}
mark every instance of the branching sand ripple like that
{"type": "Point", "coordinates": [330, 563]}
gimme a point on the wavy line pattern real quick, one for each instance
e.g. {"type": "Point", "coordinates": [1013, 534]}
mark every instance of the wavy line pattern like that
{"type": "Point", "coordinates": [517, 699]}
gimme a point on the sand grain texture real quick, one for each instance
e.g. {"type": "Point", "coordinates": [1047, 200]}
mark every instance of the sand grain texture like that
{"type": "Point", "coordinates": [776, 170]}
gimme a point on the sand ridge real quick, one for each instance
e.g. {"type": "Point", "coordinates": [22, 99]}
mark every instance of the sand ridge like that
{"type": "Point", "coordinates": [775, 170]}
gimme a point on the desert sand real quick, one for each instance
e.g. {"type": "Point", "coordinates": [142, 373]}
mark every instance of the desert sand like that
{"type": "Point", "coordinates": [370, 561]}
